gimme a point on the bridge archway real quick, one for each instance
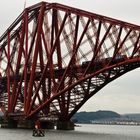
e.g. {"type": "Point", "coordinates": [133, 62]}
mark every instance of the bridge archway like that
{"type": "Point", "coordinates": [121, 95]}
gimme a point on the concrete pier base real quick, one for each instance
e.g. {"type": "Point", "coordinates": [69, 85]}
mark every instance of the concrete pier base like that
{"type": "Point", "coordinates": [66, 125]}
{"type": "Point", "coordinates": [30, 124]}
{"type": "Point", "coordinates": [9, 124]}
{"type": "Point", "coordinates": [26, 124]}
{"type": "Point", "coordinates": [47, 125]}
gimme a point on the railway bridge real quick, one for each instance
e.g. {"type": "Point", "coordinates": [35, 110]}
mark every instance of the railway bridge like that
{"type": "Point", "coordinates": [53, 58]}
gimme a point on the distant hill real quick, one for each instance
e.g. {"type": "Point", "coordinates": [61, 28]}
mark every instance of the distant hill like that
{"type": "Point", "coordinates": [87, 117]}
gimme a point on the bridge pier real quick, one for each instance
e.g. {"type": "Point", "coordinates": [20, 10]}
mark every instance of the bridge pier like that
{"type": "Point", "coordinates": [47, 125]}
{"type": "Point", "coordinates": [10, 123]}
{"type": "Point", "coordinates": [65, 125]}
{"type": "Point", "coordinates": [26, 124]}
{"type": "Point", "coordinates": [30, 124]}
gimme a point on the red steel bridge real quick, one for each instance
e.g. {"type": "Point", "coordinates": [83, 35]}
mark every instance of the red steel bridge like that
{"type": "Point", "coordinates": [53, 58]}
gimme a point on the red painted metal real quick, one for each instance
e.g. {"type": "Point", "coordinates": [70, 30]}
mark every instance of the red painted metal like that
{"type": "Point", "coordinates": [53, 58]}
{"type": "Point", "coordinates": [26, 55]}
{"type": "Point", "coordinates": [8, 73]}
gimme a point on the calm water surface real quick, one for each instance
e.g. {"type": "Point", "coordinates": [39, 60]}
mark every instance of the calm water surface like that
{"type": "Point", "coordinates": [85, 132]}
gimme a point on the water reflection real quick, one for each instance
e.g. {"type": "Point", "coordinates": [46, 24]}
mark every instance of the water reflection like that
{"type": "Point", "coordinates": [85, 132]}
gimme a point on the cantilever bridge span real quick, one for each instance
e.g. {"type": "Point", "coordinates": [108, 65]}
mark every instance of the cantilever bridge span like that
{"type": "Point", "coordinates": [53, 58]}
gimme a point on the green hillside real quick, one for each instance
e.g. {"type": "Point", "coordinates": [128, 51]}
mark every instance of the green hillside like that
{"type": "Point", "coordinates": [87, 117]}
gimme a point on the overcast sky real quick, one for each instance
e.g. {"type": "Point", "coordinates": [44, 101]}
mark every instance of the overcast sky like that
{"type": "Point", "coordinates": [123, 94]}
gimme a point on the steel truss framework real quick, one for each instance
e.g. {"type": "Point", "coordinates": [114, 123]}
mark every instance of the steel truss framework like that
{"type": "Point", "coordinates": [53, 58]}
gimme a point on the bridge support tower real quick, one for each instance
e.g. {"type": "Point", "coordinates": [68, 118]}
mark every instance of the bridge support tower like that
{"type": "Point", "coordinates": [65, 125]}
{"type": "Point", "coordinates": [9, 123]}
{"type": "Point", "coordinates": [47, 125]}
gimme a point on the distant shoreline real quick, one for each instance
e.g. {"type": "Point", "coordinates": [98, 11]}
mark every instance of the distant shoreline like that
{"type": "Point", "coordinates": [131, 124]}
{"type": "Point", "coordinates": [106, 118]}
